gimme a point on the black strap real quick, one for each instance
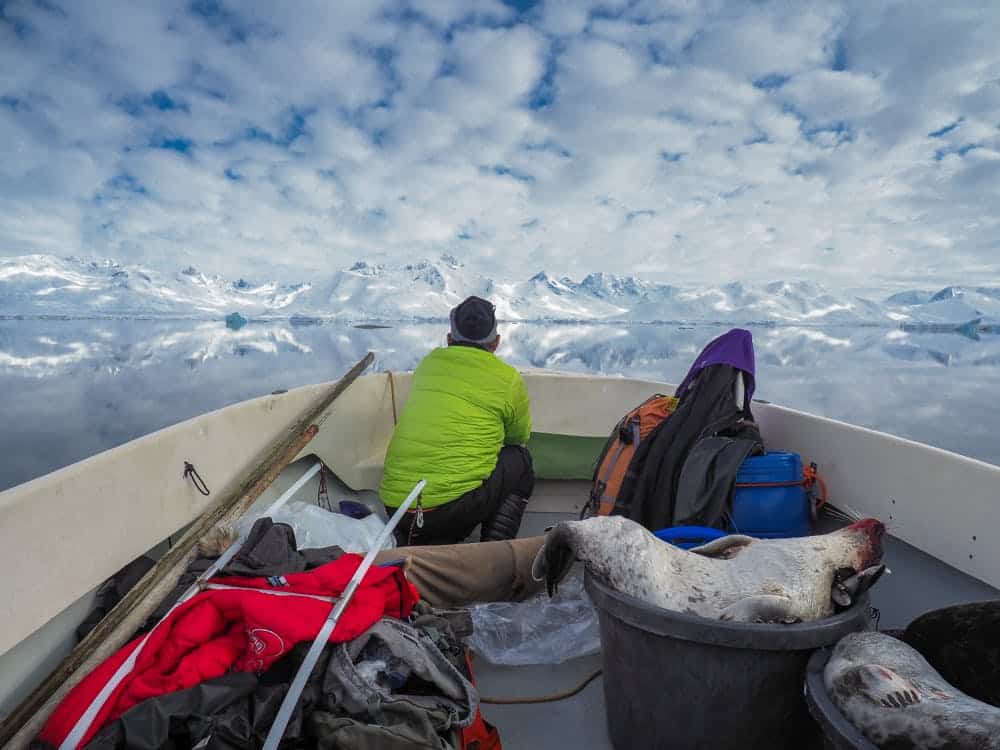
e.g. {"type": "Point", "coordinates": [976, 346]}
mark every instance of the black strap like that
{"type": "Point", "coordinates": [190, 471]}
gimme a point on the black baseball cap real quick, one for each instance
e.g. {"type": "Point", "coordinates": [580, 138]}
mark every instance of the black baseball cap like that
{"type": "Point", "coordinates": [474, 321]}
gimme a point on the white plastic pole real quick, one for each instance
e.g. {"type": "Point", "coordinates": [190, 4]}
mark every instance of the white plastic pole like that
{"type": "Point", "coordinates": [87, 718]}
{"type": "Point", "coordinates": [277, 730]}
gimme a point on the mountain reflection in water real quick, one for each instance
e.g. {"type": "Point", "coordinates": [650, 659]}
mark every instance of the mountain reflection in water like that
{"type": "Point", "coordinates": [73, 388]}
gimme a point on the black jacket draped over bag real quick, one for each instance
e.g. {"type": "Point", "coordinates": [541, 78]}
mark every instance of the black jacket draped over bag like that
{"type": "Point", "coordinates": [684, 472]}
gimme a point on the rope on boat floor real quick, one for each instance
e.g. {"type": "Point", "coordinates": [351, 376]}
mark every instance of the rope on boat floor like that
{"type": "Point", "coordinates": [545, 698]}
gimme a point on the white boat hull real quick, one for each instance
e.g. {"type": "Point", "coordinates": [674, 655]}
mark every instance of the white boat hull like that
{"type": "Point", "coordinates": [62, 534]}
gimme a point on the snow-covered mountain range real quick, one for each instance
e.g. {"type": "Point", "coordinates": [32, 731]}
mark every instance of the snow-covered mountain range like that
{"type": "Point", "coordinates": [39, 285]}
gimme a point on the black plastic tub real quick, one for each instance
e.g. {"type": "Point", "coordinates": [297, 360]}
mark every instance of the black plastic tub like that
{"type": "Point", "coordinates": [838, 732]}
{"type": "Point", "coordinates": [677, 680]}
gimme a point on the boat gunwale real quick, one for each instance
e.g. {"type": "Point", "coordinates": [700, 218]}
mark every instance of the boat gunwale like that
{"type": "Point", "coordinates": [140, 441]}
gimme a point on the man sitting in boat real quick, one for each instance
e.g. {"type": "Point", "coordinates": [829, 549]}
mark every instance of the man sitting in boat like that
{"type": "Point", "coordinates": [463, 429]}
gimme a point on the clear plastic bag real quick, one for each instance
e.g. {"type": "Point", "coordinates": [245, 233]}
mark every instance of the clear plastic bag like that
{"type": "Point", "coordinates": [381, 668]}
{"type": "Point", "coordinates": [539, 630]}
{"type": "Point", "coordinates": [315, 527]}
{"type": "Point", "coordinates": [370, 670]}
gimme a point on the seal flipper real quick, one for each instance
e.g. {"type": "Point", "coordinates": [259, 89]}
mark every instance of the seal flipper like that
{"type": "Point", "coordinates": [725, 547]}
{"type": "Point", "coordinates": [555, 557]}
{"type": "Point", "coordinates": [884, 686]}
{"type": "Point", "coordinates": [762, 608]}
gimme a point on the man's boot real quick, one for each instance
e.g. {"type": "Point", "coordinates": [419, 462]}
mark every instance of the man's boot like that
{"type": "Point", "coordinates": [506, 522]}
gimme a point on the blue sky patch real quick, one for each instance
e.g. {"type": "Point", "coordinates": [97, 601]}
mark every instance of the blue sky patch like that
{"type": "Point", "coordinates": [838, 132]}
{"type": "Point", "coordinates": [448, 69]}
{"type": "Point", "coordinates": [612, 13]}
{"type": "Point", "coordinates": [544, 92]}
{"type": "Point", "coordinates": [232, 27]}
{"type": "Point", "coordinates": [127, 183]}
{"type": "Point", "coordinates": [771, 81]}
{"type": "Point", "coordinates": [522, 6]}
{"type": "Point", "coordinates": [162, 101]}
{"type": "Point", "coordinates": [839, 55]}
{"type": "Point", "coordinates": [946, 129]}
{"type": "Point", "coordinates": [385, 59]}
{"type": "Point", "coordinates": [642, 213]}
{"type": "Point", "coordinates": [294, 126]}
{"type": "Point", "coordinates": [505, 171]}
{"type": "Point", "coordinates": [659, 53]}
{"type": "Point", "coordinates": [549, 146]}
{"type": "Point", "coordinates": [206, 81]}
{"type": "Point", "coordinates": [376, 216]}
{"type": "Point", "coordinates": [790, 109]}
{"type": "Point", "coordinates": [941, 153]}
{"type": "Point", "coordinates": [180, 145]}
{"type": "Point", "coordinates": [21, 29]}
{"type": "Point", "coordinates": [158, 100]}
{"type": "Point", "coordinates": [47, 7]}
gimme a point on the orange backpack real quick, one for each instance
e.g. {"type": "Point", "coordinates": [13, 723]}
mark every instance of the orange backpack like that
{"type": "Point", "coordinates": [617, 454]}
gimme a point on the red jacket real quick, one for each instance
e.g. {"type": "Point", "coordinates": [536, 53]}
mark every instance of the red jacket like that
{"type": "Point", "coordinates": [244, 624]}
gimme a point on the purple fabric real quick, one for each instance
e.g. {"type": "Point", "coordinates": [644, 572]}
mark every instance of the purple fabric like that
{"type": "Point", "coordinates": [735, 348]}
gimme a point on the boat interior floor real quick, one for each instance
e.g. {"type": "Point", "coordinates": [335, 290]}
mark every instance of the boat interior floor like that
{"type": "Point", "coordinates": [917, 583]}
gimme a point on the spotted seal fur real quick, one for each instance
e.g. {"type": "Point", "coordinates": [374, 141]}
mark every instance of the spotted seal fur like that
{"type": "Point", "coordinates": [886, 689]}
{"type": "Point", "coordinates": [733, 578]}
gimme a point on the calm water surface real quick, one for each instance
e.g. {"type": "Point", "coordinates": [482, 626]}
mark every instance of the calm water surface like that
{"type": "Point", "coordinates": [74, 388]}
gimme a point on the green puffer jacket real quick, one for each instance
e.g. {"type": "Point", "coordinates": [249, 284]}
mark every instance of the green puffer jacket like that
{"type": "Point", "coordinates": [465, 404]}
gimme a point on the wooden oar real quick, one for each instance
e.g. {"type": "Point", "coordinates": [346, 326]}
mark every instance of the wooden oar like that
{"type": "Point", "coordinates": [85, 721]}
{"type": "Point", "coordinates": [111, 633]}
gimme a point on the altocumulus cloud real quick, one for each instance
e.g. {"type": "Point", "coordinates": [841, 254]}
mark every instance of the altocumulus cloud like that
{"type": "Point", "coordinates": [853, 142]}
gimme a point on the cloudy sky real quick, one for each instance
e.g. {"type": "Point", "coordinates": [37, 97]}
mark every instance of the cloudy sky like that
{"type": "Point", "coordinates": [856, 143]}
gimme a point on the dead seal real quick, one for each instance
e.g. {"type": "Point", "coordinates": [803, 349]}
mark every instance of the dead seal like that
{"type": "Point", "coordinates": [886, 689]}
{"type": "Point", "coordinates": [733, 578]}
